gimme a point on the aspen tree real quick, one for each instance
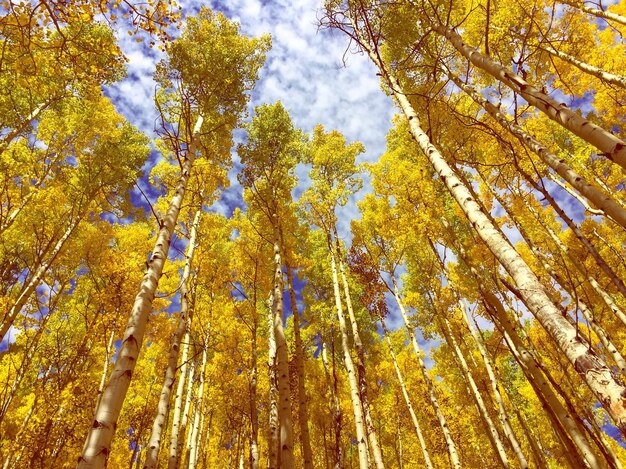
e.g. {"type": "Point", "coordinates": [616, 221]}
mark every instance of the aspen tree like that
{"type": "Point", "coordinates": [592, 369]}
{"type": "Point", "coordinates": [238, 58]}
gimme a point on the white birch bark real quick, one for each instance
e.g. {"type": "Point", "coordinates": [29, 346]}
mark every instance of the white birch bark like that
{"type": "Point", "coordinates": [434, 402]}
{"type": "Point", "coordinates": [102, 430]}
{"type": "Point", "coordinates": [597, 72]}
{"type": "Point", "coordinates": [611, 146]}
{"type": "Point", "coordinates": [195, 430]}
{"type": "Point", "coordinates": [502, 413]}
{"type": "Point", "coordinates": [163, 407]}
{"type": "Point", "coordinates": [607, 15]}
{"type": "Point", "coordinates": [31, 283]}
{"type": "Point", "coordinates": [352, 378]}
{"type": "Point", "coordinates": [594, 194]}
{"type": "Point", "coordinates": [274, 428]}
{"type": "Point", "coordinates": [418, 431]}
{"type": "Point", "coordinates": [495, 437]}
{"type": "Point", "coordinates": [361, 370]}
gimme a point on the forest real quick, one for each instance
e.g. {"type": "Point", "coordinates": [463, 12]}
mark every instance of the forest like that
{"type": "Point", "coordinates": [470, 313]}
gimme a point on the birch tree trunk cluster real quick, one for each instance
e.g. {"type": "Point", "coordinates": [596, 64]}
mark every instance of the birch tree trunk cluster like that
{"type": "Point", "coordinates": [471, 314]}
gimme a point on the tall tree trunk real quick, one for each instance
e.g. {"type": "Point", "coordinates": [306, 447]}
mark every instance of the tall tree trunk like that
{"type": "Point", "coordinates": [597, 72]}
{"type": "Point", "coordinates": [31, 283]}
{"type": "Point", "coordinates": [493, 432]}
{"type": "Point", "coordinates": [282, 361]}
{"type": "Point", "coordinates": [590, 248]}
{"type": "Point", "coordinates": [274, 428]}
{"type": "Point", "coordinates": [530, 367]}
{"type": "Point", "coordinates": [452, 451]}
{"type": "Point", "coordinates": [337, 414]}
{"type": "Point", "coordinates": [502, 413]}
{"type": "Point", "coordinates": [163, 407]}
{"type": "Point", "coordinates": [195, 430]}
{"type": "Point", "coordinates": [592, 369]}
{"type": "Point", "coordinates": [611, 146]}
{"type": "Point", "coordinates": [254, 418]}
{"type": "Point", "coordinates": [102, 430]}
{"type": "Point", "coordinates": [537, 451]}
{"type": "Point", "coordinates": [594, 194]}
{"type": "Point", "coordinates": [360, 363]}
{"type": "Point", "coordinates": [607, 15]}
{"type": "Point", "coordinates": [300, 355]}
{"type": "Point", "coordinates": [418, 431]}
{"type": "Point", "coordinates": [352, 378]}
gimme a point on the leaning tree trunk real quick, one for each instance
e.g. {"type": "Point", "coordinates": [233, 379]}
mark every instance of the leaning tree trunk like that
{"type": "Point", "coordinates": [594, 194]}
{"type": "Point", "coordinates": [607, 15]}
{"type": "Point", "coordinates": [274, 427]}
{"type": "Point", "coordinates": [299, 355]}
{"type": "Point", "coordinates": [102, 430]}
{"type": "Point", "coordinates": [452, 451]}
{"type": "Point", "coordinates": [163, 407]}
{"type": "Point", "coordinates": [418, 431]}
{"type": "Point", "coordinates": [611, 146]}
{"type": "Point", "coordinates": [597, 72]}
{"type": "Point", "coordinates": [493, 432]}
{"type": "Point", "coordinates": [592, 369]}
{"type": "Point", "coordinates": [31, 283]}
{"type": "Point", "coordinates": [361, 370]}
{"type": "Point", "coordinates": [352, 378]}
{"type": "Point", "coordinates": [504, 418]}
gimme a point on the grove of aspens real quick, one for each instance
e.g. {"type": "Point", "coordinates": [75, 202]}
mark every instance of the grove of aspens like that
{"type": "Point", "coordinates": [472, 314]}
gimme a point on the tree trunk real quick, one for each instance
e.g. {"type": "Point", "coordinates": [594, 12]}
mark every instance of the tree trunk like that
{"type": "Point", "coordinates": [452, 451]}
{"type": "Point", "coordinates": [31, 284]}
{"type": "Point", "coordinates": [360, 363]}
{"type": "Point", "coordinates": [607, 15]}
{"type": "Point", "coordinates": [163, 407]}
{"type": "Point", "coordinates": [274, 439]}
{"type": "Point", "coordinates": [195, 430]}
{"type": "Point", "coordinates": [282, 361]}
{"type": "Point", "coordinates": [354, 387]}
{"type": "Point", "coordinates": [337, 414]}
{"type": "Point", "coordinates": [102, 430]}
{"type": "Point", "coordinates": [418, 431]}
{"type": "Point", "coordinates": [611, 146]}
{"type": "Point", "coordinates": [595, 195]}
{"type": "Point", "coordinates": [502, 413]}
{"type": "Point", "coordinates": [254, 418]}
{"type": "Point", "coordinates": [495, 437]}
{"type": "Point", "coordinates": [597, 72]}
{"type": "Point", "coordinates": [300, 355]}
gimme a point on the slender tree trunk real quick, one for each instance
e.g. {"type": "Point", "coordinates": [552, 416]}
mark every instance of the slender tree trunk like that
{"type": "Point", "coordinates": [274, 428]}
{"type": "Point", "coordinates": [592, 369]}
{"type": "Point", "coordinates": [595, 195]}
{"type": "Point", "coordinates": [177, 432]}
{"type": "Point", "coordinates": [105, 368]}
{"type": "Point", "coordinates": [31, 284]}
{"type": "Point", "coordinates": [300, 355]}
{"type": "Point", "coordinates": [611, 146]}
{"type": "Point", "coordinates": [607, 15]}
{"type": "Point", "coordinates": [597, 72]}
{"type": "Point", "coordinates": [163, 407]}
{"type": "Point", "coordinates": [588, 208]}
{"type": "Point", "coordinates": [195, 430]}
{"type": "Point", "coordinates": [337, 414]}
{"type": "Point", "coordinates": [418, 431]}
{"type": "Point", "coordinates": [102, 430]}
{"type": "Point", "coordinates": [502, 413]}
{"type": "Point", "coordinates": [537, 451]}
{"type": "Point", "coordinates": [254, 418]}
{"type": "Point", "coordinates": [617, 282]}
{"type": "Point", "coordinates": [531, 368]}
{"type": "Point", "coordinates": [452, 451]}
{"type": "Point", "coordinates": [495, 437]}
{"type": "Point", "coordinates": [282, 361]}
{"type": "Point", "coordinates": [352, 378]}
{"type": "Point", "coordinates": [361, 370]}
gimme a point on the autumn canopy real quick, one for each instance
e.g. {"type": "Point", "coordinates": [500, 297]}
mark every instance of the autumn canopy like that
{"type": "Point", "coordinates": [468, 311]}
